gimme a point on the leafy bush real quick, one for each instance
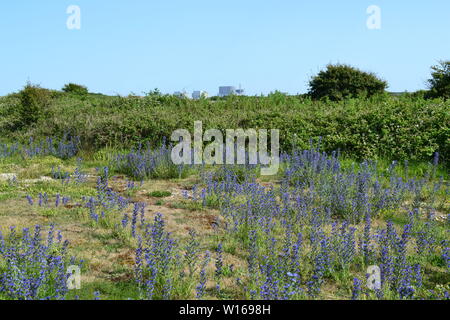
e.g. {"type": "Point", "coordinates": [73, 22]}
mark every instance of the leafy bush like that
{"type": "Point", "coordinates": [75, 88]}
{"type": "Point", "coordinates": [34, 100]}
{"type": "Point", "coordinates": [342, 81]}
{"type": "Point", "coordinates": [160, 194]}
{"type": "Point", "coordinates": [439, 84]}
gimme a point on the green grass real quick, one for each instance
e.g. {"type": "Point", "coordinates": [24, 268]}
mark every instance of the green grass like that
{"type": "Point", "coordinates": [108, 290]}
{"type": "Point", "coordinates": [159, 194]}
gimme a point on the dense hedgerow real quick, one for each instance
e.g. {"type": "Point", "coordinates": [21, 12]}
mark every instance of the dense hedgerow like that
{"type": "Point", "coordinates": [395, 128]}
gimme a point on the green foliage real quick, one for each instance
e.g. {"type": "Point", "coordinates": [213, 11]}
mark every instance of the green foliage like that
{"type": "Point", "coordinates": [160, 194]}
{"type": "Point", "coordinates": [34, 101]}
{"type": "Point", "coordinates": [75, 89]}
{"type": "Point", "coordinates": [394, 128]}
{"type": "Point", "coordinates": [339, 82]}
{"type": "Point", "coordinates": [155, 93]}
{"type": "Point", "coordinates": [439, 84]}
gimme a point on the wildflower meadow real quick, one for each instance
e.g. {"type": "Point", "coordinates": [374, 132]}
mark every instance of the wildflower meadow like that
{"type": "Point", "coordinates": [133, 225]}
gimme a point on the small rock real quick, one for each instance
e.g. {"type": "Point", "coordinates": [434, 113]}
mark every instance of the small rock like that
{"type": "Point", "coordinates": [41, 179]}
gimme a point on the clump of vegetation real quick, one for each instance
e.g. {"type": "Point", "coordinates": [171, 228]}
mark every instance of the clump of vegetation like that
{"type": "Point", "coordinates": [148, 163]}
{"type": "Point", "coordinates": [64, 148]}
{"type": "Point", "coordinates": [32, 268]}
{"type": "Point", "coordinates": [439, 84]}
{"type": "Point", "coordinates": [34, 101]}
{"type": "Point", "coordinates": [160, 194]}
{"type": "Point", "coordinates": [340, 81]}
{"type": "Point", "coordinates": [75, 89]}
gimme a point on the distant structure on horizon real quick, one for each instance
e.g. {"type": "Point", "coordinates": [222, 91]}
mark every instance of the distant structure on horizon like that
{"type": "Point", "coordinates": [181, 94]}
{"type": "Point", "coordinates": [199, 94]}
{"type": "Point", "coordinates": [225, 91]}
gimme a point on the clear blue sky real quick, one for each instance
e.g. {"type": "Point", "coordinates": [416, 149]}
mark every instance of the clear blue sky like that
{"type": "Point", "coordinates": [137, 45]}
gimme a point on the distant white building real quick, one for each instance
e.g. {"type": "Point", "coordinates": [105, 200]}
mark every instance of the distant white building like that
{"type": "Point", "coordinates": [225, 91]}
{"type": "Point", "coordinates": [198, 94]}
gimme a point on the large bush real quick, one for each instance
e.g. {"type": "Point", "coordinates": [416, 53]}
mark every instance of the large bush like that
{"type": "Point", "coordinates": [439, 84]}
{"type": "Point", "coordinates": [338, 82]}
{"type": "Point", "coordinates": [75, 88]}
{"type": "Point", "coordinates": [34, 101]}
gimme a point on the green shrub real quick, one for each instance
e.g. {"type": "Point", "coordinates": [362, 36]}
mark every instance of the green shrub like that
{"type": "Point", "coordinates": [34, 101]}
{"type": "Point", "coordinates": [75, 89]}
{"type": "Point", "coordinates": [338, 82]}
{"type": "Point", "coordinates": [160, 194]}
{"type": "Point", "coordinates": [439, 84]}
{"type": "Point", "coordinates": [419, 94]}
